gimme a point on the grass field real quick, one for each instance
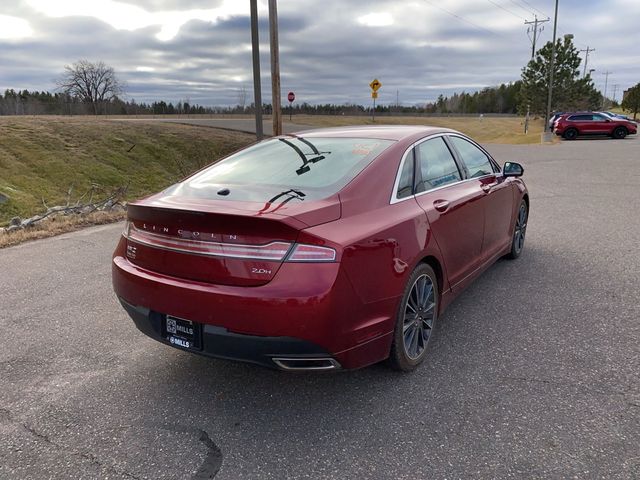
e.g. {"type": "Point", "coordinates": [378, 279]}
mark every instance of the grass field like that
{"type": "Point", "coordinates": [41, 158]}
{"type": "Point", "coordinates": [485, 130]}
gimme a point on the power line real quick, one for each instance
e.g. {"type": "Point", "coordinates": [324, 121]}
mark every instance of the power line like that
{"type": "Point", "coordinates": [529, 12]}
{"type": "Point", "coordinates": [546, 15]}
{"type": "Point", "coordinates": [463, 19]}
{"type": "Point", "coordinates": [505, 9]}
{"type": "Point", "coordinates": [539, 11]}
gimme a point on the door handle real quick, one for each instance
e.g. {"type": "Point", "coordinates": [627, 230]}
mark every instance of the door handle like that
{"type": "Point", "coordinates": [487, 187]}
{"type": "Point", "coordinates": [441, 205]}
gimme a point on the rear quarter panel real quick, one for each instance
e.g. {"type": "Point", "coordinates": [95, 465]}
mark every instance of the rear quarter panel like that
{"type": "Point", "coordinates": [381, 242]}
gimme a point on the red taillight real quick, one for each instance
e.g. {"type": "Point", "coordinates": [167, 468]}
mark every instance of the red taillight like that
{"type": "Point", "coordinates": [274, 251]}
{"type": "Point", "coordinates": [312, 253]}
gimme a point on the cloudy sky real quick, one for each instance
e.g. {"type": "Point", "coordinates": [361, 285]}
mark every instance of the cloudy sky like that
{"type": "Point", "coordinates": [330, 50]}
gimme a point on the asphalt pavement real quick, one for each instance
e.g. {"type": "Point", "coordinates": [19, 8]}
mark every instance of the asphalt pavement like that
{"type": "Point", "coordinates": [533, 372]}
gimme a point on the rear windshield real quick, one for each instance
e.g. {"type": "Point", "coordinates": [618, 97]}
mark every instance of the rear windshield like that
{"type": "Point", "coordinates": [318, 167]}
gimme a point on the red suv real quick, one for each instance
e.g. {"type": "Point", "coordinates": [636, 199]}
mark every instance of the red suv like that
{"type": "Point", "coordinates": [570, 125]}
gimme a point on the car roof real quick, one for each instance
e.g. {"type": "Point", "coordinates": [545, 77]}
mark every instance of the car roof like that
{"type": "Point", "coordinates": [586, 112]}
{"type": "Point", "coordinates": [382, 132]}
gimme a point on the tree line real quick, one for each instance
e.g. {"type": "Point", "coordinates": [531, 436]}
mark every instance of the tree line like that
{"type": "Point", "coordinates": [23, 102]}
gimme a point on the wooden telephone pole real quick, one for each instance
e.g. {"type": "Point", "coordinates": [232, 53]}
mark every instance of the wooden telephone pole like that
{"type": "Point", "coordinates": [275, 68]}
{"type": "Point", "coordinates": [255, 49]}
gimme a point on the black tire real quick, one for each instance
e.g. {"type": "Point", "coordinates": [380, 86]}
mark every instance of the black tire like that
{"type": "Point", "coordinates": [418, 315]}
{"type": "Point", "coordinates": [519, 231]}
{"type": "Point", "coordinates": [570, 134]}
{"type": "Point", "coordinates": [620, 133]}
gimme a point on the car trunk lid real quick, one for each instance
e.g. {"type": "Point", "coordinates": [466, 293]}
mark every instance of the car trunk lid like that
{"type": "Point", "coordinates": [217, 241]}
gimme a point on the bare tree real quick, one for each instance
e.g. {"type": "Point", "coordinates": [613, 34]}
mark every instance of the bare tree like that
{"type": "Point", "coordinates": [94, 83]}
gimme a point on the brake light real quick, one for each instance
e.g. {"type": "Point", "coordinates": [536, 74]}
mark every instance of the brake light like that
{"type": "Point", "coordinates": [312, 253]}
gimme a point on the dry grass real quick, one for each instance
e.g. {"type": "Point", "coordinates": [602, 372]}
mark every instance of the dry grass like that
{"type": "Point", "coordinates": [485, 130]}
{"type": "Point", "coordinates": [58, 225]}
{"type": "Point", "coordinates": [41, 157]}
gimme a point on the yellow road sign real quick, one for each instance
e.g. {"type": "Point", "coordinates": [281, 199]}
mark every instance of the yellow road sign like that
{"type": "Point", "coordinates": [375, 85]}
{"type": "Point", "coordinates": [374, 94]}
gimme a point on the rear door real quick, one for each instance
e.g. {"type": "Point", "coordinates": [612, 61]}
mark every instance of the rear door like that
{"type": "Point", "coordinates": [583, 122]}
{"type": "Point", "coordinates": [497, 190]}
{"type": "Point", "coordinates": [453, 207]}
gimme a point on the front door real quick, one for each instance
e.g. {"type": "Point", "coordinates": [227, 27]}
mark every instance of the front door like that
{"type": "Point", "coordinates": [453, 207]}
{"type": "Point", "coordinates": [497, 199]}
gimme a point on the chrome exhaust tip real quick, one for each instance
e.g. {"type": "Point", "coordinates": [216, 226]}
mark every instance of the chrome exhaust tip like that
{"type": "Point", "coordinates": [305, 363]}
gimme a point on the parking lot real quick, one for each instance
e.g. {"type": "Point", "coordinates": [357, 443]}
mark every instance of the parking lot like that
{"type": "Point", "coordinates": [534, 372]}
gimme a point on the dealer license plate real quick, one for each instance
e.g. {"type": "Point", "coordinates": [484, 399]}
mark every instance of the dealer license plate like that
{"type": "Point", "coordinates": [182, 333]}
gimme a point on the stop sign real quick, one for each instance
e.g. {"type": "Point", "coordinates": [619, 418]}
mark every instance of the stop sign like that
{"type": "Point", "coordinates": [291, 96]}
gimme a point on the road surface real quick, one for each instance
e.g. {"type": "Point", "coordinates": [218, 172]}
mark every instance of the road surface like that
{"type": "Point", "coordinates": [534, 372]}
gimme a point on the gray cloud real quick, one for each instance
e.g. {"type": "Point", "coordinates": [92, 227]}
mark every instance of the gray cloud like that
{"type": "Point", "coordinates": [327, 55]}
{"type": "Point", "coordinates": [164, 5]}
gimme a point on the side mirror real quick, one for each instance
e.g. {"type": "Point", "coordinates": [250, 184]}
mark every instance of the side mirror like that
{"type": "Point", "coordinates": [512, 169]}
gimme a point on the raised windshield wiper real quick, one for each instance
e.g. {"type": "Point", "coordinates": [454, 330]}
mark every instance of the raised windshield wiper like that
{"type": "Point", "coordinates": [290, 194]}
{"type": "Point", "coordinates": [305, 167]}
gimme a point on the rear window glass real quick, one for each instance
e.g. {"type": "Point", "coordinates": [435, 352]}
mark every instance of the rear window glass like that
{"type": "Point", "coordinates": [437, 165]}
{"type": "Point", "coordinates": [318, 167]}
{"type": "Point", "coordinates": [405, 184]}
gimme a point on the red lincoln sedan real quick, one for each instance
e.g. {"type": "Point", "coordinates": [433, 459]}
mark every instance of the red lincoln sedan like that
{"type": "Point", "coordinates": [327, 249]}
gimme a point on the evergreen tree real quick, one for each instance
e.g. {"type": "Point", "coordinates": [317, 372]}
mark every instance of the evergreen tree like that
{"type": "Point", "coordinates": [631, 101]}
{"type": "Point", "coordinates": [570, 90]}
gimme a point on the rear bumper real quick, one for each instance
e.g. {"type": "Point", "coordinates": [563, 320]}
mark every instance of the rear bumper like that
{"type": "Point", "coordinates": [272, 352]}
{"type": "Point", "coordinates": [306, 310]}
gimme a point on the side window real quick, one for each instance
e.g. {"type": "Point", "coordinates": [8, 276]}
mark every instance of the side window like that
{"type": "Point", "coordinates": [437, 165]}
{"type": "Point", "coordinates": [581, 118]}
{"type": "Point", "coordinates": [599, 118]}
{"type": "Point", "coordinates": [405, 185]}
{"type": "Point", "coordinates": [477, 162]}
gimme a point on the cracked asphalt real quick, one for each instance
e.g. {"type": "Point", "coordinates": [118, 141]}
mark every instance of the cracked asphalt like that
{"type": "Point", "coordinates": [534, 371]}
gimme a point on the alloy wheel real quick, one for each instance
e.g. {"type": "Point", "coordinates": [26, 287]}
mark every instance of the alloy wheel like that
{"type": "Point", "coordinates": [418, 318]}
{"type": "Point", "coordinates": [521, 227]}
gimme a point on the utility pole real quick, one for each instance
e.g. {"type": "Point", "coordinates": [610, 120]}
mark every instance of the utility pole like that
{"type": "Point", "coordinates": [551, 68]}
{"type": "Point", "coordinates": [586, 58]}
{"type": "Point", "coordinates": [275, 67]}
{"type": "Point", "coordinates": [535, 30]}
{"type": "Point", "coordinates": [255, 49]}
{"type": "Point", "coordinates": [606, 80]}
{"type": "Point", "coordinates": [615, 90]}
